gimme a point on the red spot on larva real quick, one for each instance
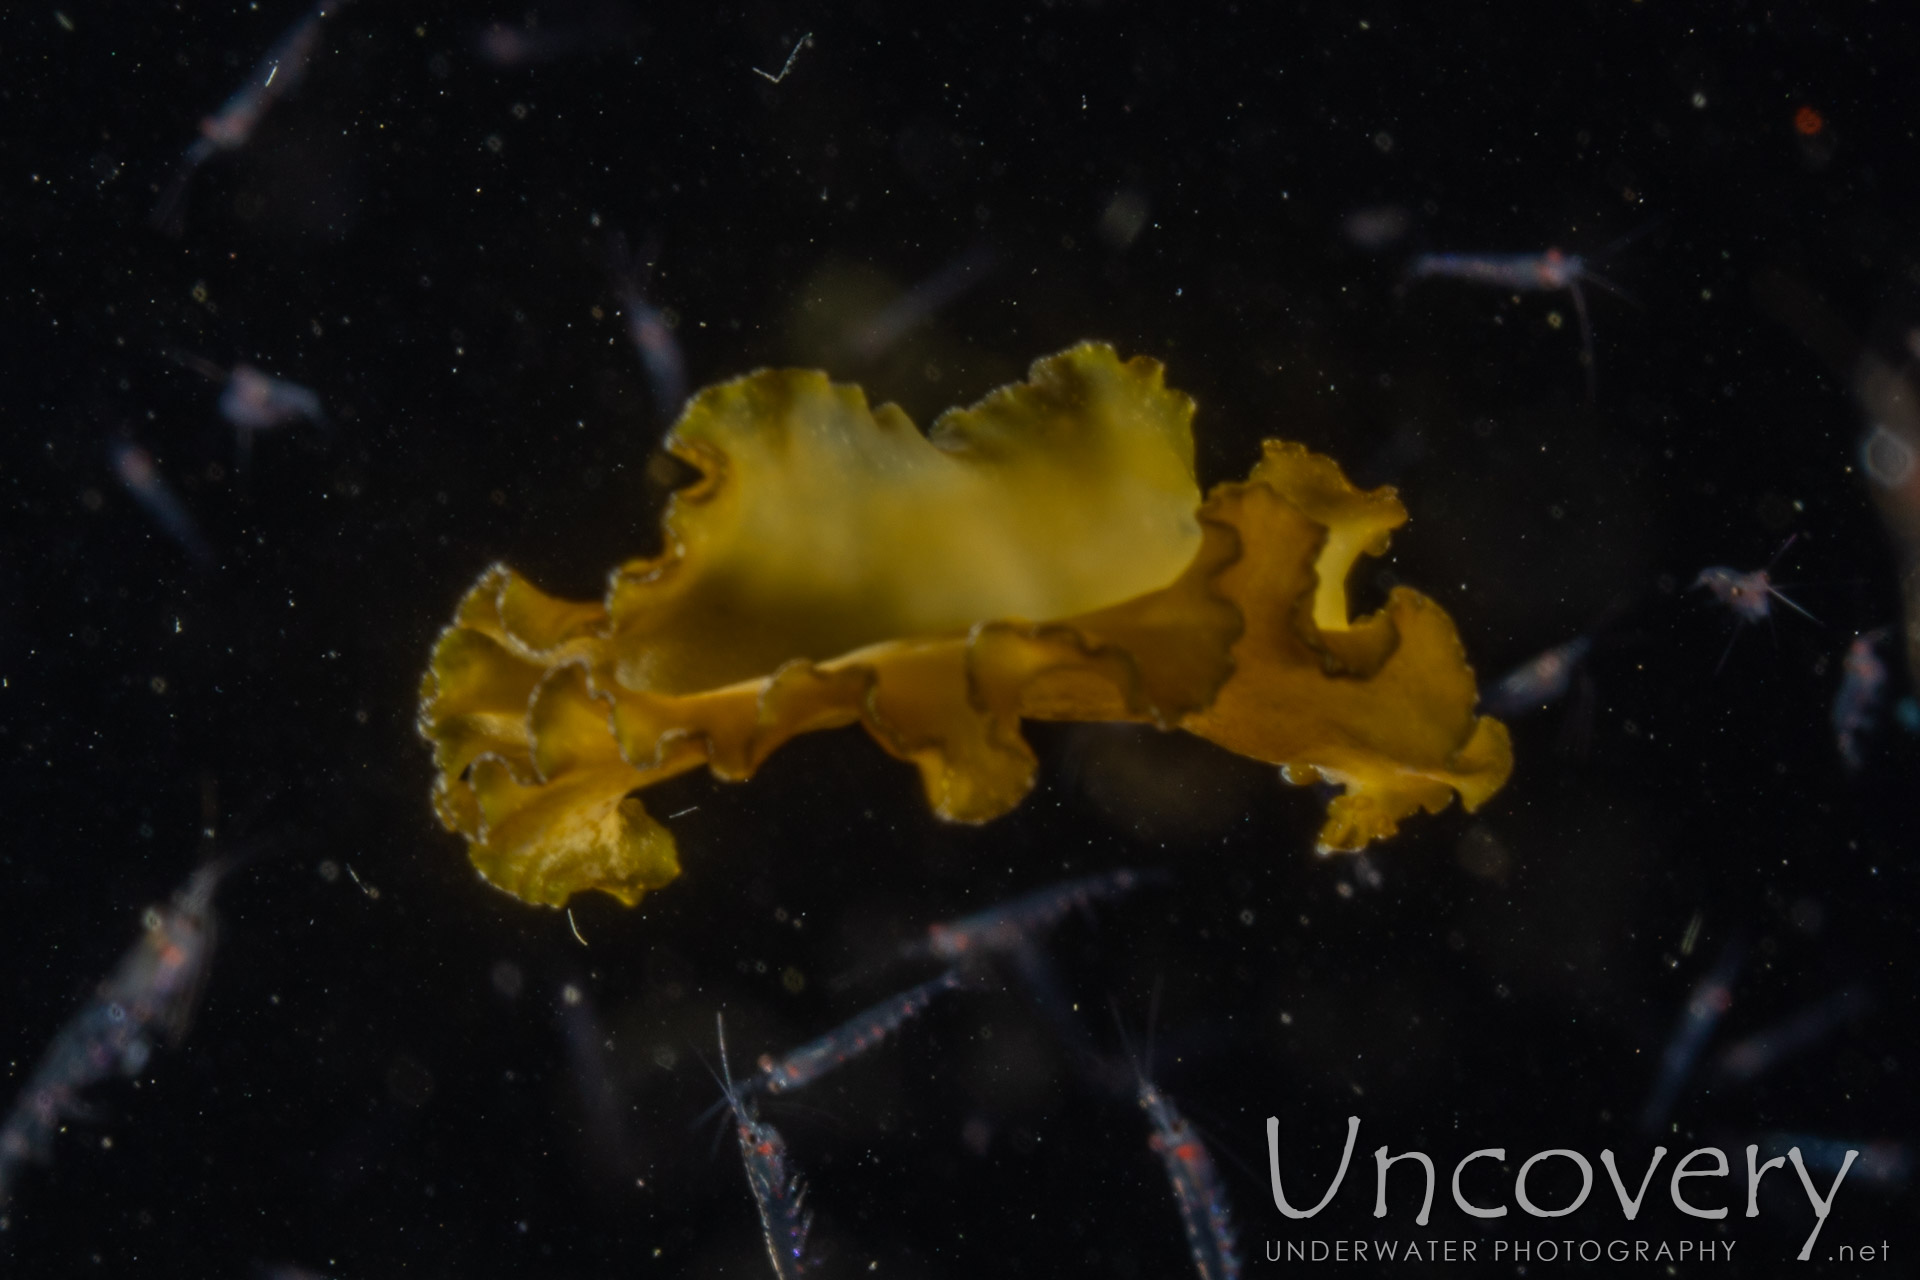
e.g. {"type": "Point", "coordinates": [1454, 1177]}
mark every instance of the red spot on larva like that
{"type": "Point", "coordinates": [1807, 122]}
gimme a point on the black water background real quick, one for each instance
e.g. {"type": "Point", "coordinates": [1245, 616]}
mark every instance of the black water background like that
{"type": "Point", "coordinates": [359, 1098]}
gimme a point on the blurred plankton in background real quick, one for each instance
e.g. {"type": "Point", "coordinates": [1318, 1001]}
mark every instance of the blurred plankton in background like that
{"type": "Point", "coordinates": [1045, 554]}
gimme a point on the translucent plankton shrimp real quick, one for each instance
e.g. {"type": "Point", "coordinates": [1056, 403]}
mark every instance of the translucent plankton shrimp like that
{"type": "Point", "coordinates": [255, 401]}
{"type": "Point", "coordinates": [874, 336]}
{"type": "Point", "coordinates": [1766, 1048]}
{"type": "Point", "coordinates": [648, 329]}
{"type": "Point", "coordinates": [1196, 1183]}
{"type": "Point", "coordinates": [151, 994]}
{"type": "Point", "coordinates": [1196, 1186]}
{"type": "Point", "coordinates": [141, 477]}
{"type": "Point", "coordinates": [1710, 999]}
{"type": "Point", "coordinates": [1010, 925]}
{"type": "Point", "coordinates": [776, 1187]}
{"type": "Point", "coordinates": [1857, 704]}
{"type": "Point", "coordinates": [601, 27]}
{"type": "Point", "coordinates": [852, 1038]}
{"type": "Point", "coordinates": [1524, 273]}
{"type": "Point", "coordinates": [1537, 682]}
{"type": "Point", "coordinates": [231, 127]}
{"type": "Point", "coordinates": [1517, 271]}
{"type": "Point", "coordinates": [251, 400]}
{"type": "Point", "coordinates": [1750, 596]}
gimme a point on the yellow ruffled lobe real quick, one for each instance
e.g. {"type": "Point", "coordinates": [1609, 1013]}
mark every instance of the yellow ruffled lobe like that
{"type": "Point", "coordinates": [1381, 705]}
{"type": "Point", "coordinates": [528, 769]}
{"type": "Point", "coordinates": [1042, 555]}
{"type": "Point", "coordinates": [823, 526]}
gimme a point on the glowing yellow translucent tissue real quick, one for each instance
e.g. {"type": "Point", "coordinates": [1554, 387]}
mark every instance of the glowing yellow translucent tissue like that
{"type": "Point", "coordinates": [1043, 555]}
